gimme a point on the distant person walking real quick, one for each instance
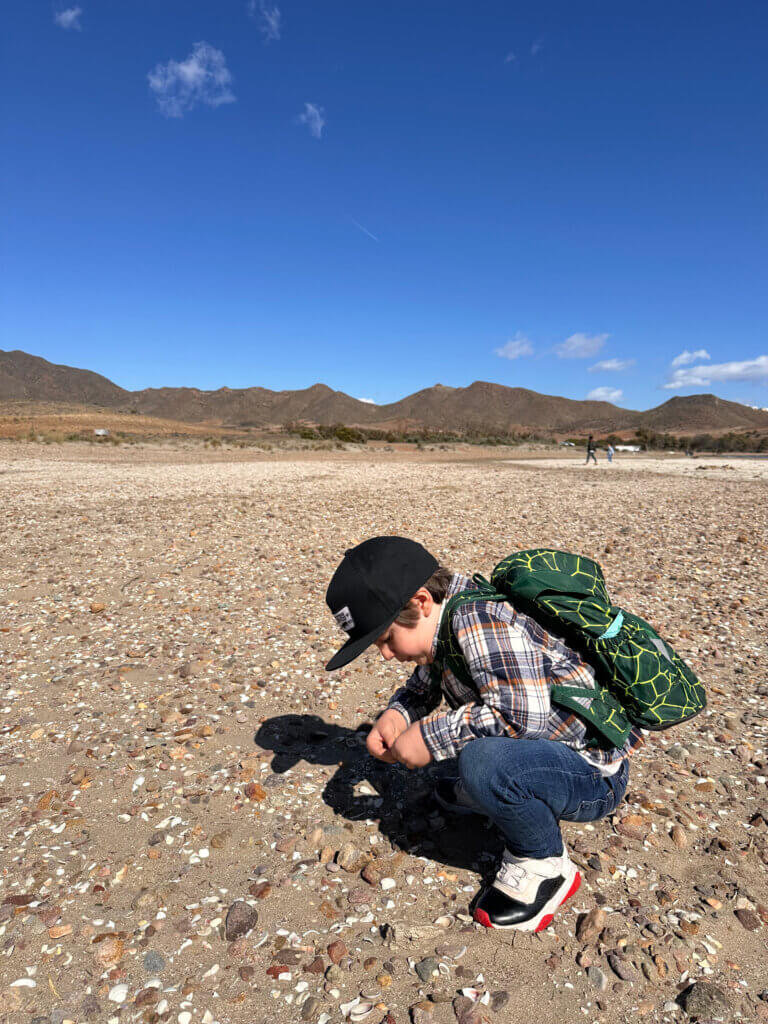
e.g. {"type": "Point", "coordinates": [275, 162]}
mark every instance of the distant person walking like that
{"type": "Point", "coordinates": [609, 452]}
{"type": "Point", "coordinates": [591, 450]}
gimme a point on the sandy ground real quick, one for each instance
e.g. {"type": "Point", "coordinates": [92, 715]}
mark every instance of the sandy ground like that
{"type": "Point", "coordinates": [737, 467]}
{"type": "Point", "coordinates": [192, 830]}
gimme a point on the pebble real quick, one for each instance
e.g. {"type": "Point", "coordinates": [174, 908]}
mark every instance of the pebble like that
{"type": "Point", "coordinates": [153, 962]}
{"type": "Point", "coordinates": [241, 919]}
{"type": "Point", "coordinates": [597, 978]}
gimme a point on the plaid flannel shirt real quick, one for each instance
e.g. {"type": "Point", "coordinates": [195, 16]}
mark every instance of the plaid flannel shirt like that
{"type": "Point", "coordinates": [513, 662]}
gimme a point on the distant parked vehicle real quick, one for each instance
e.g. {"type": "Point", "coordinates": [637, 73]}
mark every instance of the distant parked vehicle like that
{"type": "Point", "coordinates": [101, 432]}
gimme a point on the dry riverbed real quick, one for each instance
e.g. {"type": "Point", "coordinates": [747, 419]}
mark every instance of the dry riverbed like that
{"type": "Point", "coordinates": [192, 831]}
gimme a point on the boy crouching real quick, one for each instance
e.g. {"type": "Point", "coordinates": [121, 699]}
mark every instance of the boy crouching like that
{"type": "Point", "coordinates": [392, 593]}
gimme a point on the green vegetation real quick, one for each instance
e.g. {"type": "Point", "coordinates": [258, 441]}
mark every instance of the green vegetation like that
{"type": "Point", "coordinates": [651, 440]}
{"type": "Point", "coordinates": [339, 432]}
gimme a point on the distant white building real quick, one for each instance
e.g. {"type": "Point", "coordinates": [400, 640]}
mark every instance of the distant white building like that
{"type": "Point", "coordinates": [628, 448]}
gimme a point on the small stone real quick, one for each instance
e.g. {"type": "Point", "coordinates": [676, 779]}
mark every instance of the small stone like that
{"type": "Point", "coordinates": [748, 919]}
{"type": "Point", "coordinates": [253, 791]}
{"type": "Point", "coordinates": [241, 919]}
{"type": "Point", "coordinates": [633, 826]}
{"type": "Point", "coordinates": [90, 1008]}
{"type": "Point", "coordinates": [153, 962]}
{"type": "Point", "coordinates": [348, 857]}
{"type": "Point", "coordinates": [371, 873]}
{"type": "Point", "coordinates": [337, 950]}
{"type": "Point", "coordinates": [679, 837]}
{"type": "Point", "coordinates": [260, 890]}
{"type": "Point", "coordinates": [309, 1008]}
{"type": "Point", "coordinates": [706, 1001]}
{"type": "Point", "coordinates": [597, 978]}
{"type": "Point", "coordinates": [334, 975]}
{"type": "Point", "coordinates": [147, 996]}
{"type": "Point", "coordinates": [426, 968]}
{"type": "Point", "coordinates": [499, 999]}
{"type": "Point", "coordinates": [621, 967]}
{"type": "Point", "coordinates": [421, 1013]}
{"type": "Point", "coordinates": [590, 925]}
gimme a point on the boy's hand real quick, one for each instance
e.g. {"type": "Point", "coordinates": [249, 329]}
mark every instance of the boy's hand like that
{"type": "Point", "coordinates": [383, 735]}
{"type": "Point", "coordinates": [410, 749]}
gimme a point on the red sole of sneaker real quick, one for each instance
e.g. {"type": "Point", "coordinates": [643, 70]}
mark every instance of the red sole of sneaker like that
{"type": "Point", "coordinates": [482, 917]}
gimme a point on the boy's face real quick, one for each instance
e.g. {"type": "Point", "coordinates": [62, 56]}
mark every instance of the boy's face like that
{"type": "Point", "coordinates": [412, 643]}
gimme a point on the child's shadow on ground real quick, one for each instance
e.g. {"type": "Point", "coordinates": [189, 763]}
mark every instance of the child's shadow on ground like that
{"type": "Point", "coordinates": [400, 800]}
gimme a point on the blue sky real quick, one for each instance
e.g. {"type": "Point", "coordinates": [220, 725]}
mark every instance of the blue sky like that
{"type": "Point", "coordinates": [563, 196]}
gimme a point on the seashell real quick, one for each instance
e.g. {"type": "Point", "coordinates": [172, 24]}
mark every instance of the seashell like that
{"type": "Point", "coordinates": [444, 921]}
{"type": "Point", "coordinates": [347, 1008]}
{"type": "Point", "coordinates": [471, 993]}
{"type": "Point", "coordinates": [361, 1011]}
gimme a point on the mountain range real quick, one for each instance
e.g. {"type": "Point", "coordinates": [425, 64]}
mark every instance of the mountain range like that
{"type": "Point", "coordinates": [480, 406]}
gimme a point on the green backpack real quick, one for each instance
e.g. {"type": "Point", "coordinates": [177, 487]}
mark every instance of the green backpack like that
{"type": "Point", "coordinates": [641, 680]}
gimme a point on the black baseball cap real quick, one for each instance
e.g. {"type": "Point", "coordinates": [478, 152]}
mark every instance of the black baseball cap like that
{"type": "Point", "coordinates": [370, 588]}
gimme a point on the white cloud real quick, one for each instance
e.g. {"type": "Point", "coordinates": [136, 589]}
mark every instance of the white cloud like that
{"type": "Point", "coordinates": [686, 357]}
{"type": "Point", "coordinates": [70, 18]}
{"type": "Point", "coordinates": [612, 365]}
{"type": "Point", "coordinates": [605, 394]}
{"type": "Point", "coordinates": [515, 347]}
{"type": "Point", "coordinates": [510, 57]}
{"type": "Point", "coordinates": [536, 47]}
{"type": "Point", "coordinates": [314, 118]}
{"type": "Point", "coordinates": [581, 346]}
{"type": "Point", "coordinates": [368, 401]}
{"type": "Point", "coordinates": [202, 78]}
{"type": "Point", "coordinates": [269, 18]}
{"type": "Point", "coordinates": [702, 376]}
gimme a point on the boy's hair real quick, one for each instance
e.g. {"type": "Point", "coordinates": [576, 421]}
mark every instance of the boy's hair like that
{"type": "Point", "coordinates": [437, 585]}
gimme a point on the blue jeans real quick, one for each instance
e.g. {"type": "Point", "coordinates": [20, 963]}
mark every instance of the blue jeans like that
{"type": "Point", "coordinates": [527, 787]}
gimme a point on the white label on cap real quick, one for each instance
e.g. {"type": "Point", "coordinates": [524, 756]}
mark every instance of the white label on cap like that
{"type": "Point", "coordinates": [344, 618]}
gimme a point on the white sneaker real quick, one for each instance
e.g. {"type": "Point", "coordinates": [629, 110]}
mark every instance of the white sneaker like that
{"type": "Point", "coordinates": [526, 892]}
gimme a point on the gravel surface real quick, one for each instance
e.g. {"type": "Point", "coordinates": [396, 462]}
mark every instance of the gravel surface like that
{"type": "Point", "coordinates": [192, 830]}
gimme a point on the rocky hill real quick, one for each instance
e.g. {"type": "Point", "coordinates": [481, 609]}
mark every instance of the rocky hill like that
{"type": "Point", "coordinates": [482, 405]}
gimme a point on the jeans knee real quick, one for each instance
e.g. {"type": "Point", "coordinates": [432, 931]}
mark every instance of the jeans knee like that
{"type": "Point", "coordinates": [482, 771]}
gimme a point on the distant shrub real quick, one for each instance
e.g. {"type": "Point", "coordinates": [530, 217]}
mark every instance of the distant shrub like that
{"type": "Point", "coordinates": [349, 435]}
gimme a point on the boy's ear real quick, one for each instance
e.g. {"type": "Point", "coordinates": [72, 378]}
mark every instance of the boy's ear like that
{"type": "Point", "coordinates": [425, 600]}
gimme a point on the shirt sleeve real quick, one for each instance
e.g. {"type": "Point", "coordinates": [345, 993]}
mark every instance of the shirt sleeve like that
{"type": "Point", "coordinates": [509, 668]}
{"type": "Point", "coordinates": [420, 695]}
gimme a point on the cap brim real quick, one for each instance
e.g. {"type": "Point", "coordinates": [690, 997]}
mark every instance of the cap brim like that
{"type": "Point", "coordinates": [353, 648]}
